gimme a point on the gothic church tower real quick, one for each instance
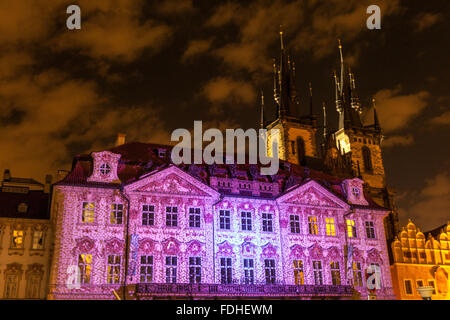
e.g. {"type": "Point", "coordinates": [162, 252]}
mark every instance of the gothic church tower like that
{"type": "Point", "coordinates": [297, 133]}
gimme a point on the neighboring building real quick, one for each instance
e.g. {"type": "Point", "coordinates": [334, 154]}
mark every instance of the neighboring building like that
{"type": "Point", "coordinates": [25, 238]}
{"type": "Point", "coordinates": [421, 259]}
{"type": "Point", "coordinates": [127, 219]}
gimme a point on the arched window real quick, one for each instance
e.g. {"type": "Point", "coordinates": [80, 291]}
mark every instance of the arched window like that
{"type": "Point", "coordinates": [301, 150]}
{"type": "Point", "coordinates": [367, 159]}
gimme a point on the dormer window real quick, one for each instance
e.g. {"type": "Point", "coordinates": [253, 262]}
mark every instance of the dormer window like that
{"type": "Point", "coordinates": [105, 169]}
{"type": "Point", "coordinates": [161, 153]}
{"type": "Point", "coordinates": [356, 192]}
{"type": "Point", "coordinates": [22, 208]}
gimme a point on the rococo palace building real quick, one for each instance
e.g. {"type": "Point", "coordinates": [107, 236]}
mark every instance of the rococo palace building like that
{"type": "Point", "coordinates": [129, 223]}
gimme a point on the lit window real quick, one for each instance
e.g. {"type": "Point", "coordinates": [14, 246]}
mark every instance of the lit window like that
{"type": "Point", "coordinates": [171, 216]}
{"type": "Point", "coordinates": [38, 240]}
{"type": "Point", "coordinates": [295, 223]}
{"type": "Point", "coordinates": [17, 239]}
{"type": "Point", "coordinates": [195, 269]}
{"type": "Point", "coordinates": [113, 269]}
{"type": "Point", "coordinates": [312, 221]}
{"type": "Point", "coordinates": [317, 269]}
{"type": "Point", "coordinates": [194, 217]}
{"type": "Point", "coordinates": [269, 269]}
{"type": "Point", "coordinates": [351, 229]}
{"type": "Point", "coordinates": [298, 272]}
{"type": "Point", "coordinates": [225, 271]}
{"type": "Point", "coordinates": [105, 169]}
{"type": "Point", "coordinates": [246, 221]}
{"type": "Point", "coordinates": [116, 214]}
{"type": "Point", "coordinates": [148, 215]}
{"type": "Point", "coordinates": [370, 230]}
{"type": "Point", "coordinates": [87, 215]}
{"type": "Point", "coordinates": [249, 272]}
{"type": "Point", "coordinates": [84, 263]}
{"type": "Point", "coordinates": [335, 273]}
{"type": "Point", "coordinates": [146, 274]}
{"type": "Point", "coordinates": [408, 287]}
{"type": "Point", "coordinates": [329, 222]}
{"type": "Point", "coordinates": [267, 222]}
{"type": "Point", "coordinates": [224, 220]}
{"type": "Point", "coordinates": [357, 274]}
{"type": "Point", "coordinates": [171, 269]}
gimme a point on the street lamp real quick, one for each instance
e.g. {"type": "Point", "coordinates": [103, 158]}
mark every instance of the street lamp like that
{"type": "Point", "coordinates": [425, 292]}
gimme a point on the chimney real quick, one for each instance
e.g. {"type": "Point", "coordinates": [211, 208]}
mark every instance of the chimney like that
{"type": "Point", "coordinates": [6, 175]}
{"type": "Point", "coordinates": [120, 139]}
{"type": "Point", "coordinates": [48, 183]}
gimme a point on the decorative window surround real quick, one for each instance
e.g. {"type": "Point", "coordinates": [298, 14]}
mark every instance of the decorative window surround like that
{"type": "Point", "coordinates": [101, 162]}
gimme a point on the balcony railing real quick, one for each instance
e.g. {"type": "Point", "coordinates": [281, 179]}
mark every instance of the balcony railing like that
{"type": "Point", "coordinates": [241, 289]}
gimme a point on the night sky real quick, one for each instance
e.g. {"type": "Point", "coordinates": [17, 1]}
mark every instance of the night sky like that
{"type": "Point", "coordinates": [145, 68]}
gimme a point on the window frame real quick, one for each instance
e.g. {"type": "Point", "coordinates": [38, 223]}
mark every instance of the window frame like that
{"type": "Point", "coordinates": [87, 213]}
{"type": "Point", "coordinates": [329, 221]}
{"type": "Point", "coordinates": [195, 269]}
{"type": "Point", "coordinates": [294, 224]}
{"type": "Point", "coordinates": [171, 217]}
{"type": "Point", "coordinates": [225, 217]}
{"type": "Point", "coordinates": [315, 224]}
{"type": "Point", "coordinates": [117, 213]}
{"type": "Point", "coordinates": [371, 228]}
{"type": "Point", "coordinates": [144, 267]}
{"type": "Point", "coordinates": [195, 218]}
{"type": "Point", "coordinates": [246, 221]}
{"type": "Point", "coordinates": [267, 221]}
{"type": "Point", "coordinates": [148, 215]}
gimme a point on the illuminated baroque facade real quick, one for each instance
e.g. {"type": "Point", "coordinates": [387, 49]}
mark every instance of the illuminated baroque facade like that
{"type": "Point", "coordinates": [131, 221]}
{"type": "Point", "coordinates": [421, 260]}
{"type": "Point", "coordinates": [211, 231]}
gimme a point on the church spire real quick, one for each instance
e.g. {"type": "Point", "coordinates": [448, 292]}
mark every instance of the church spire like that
{"type": "Point", "coordinates": [376, 122]}
{"type": "Point", "coordinates": [310, 100]}
{"type": "Point", "coordinates": [262, 111]}
{"type": "Point", "coordinates": [285, 93]}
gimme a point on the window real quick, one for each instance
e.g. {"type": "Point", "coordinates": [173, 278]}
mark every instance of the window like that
{"type": "Point", "coordinates": [431, 284]}
{"type": "Point", "coordinates": [22, 208]}
{"type": "Point", "coordinates": [357, 274]}
{"type": "Point", "coordinates": [329, 223]}
{"type": "Point", "coordinates": [225, 271]}
{"type": "Point", "coordinates": [33, 286]}
{"type": "Point", "coordinates": [267, 222]}
{"type": "Point", "coordinates": [370, 230]}
{"type": "Point", "coordinates": [312, 221]}
{"type": "Point", "coordinates": [246, 221]}
{"type": "Point", "coordinates": [419, 283]}
{"type": "Point", "coordinates": [105, 169]}
{"type": "Point", "coordinates": [351, 228]}
{"type": "Point", "coordinates": [300, 150]}
{"type": "Point", "coordinates": [84, 265]}
{"type": "Point", "coordinates": [408, 287]}
{"type": "Point", "coordinates": [116, 214]}
{"type": "Point", "coordinates": [298, 272]}
{"type": "Point", "coordinates": [367, 159]}
{"type": "Point", "coordinates": [293, 147]}
{"type": "Point", "coordinates": [171, 269]}
{"type": "Point", "coordinates": [195, 269]}
{"type": "Point", "coordinates": [11, 286]}
{"type": "Point", "coordinates": [171, 216]}
{"type": "Point", "coordinates": [146, 274]}
{"type": "Point", "coordinates": [87, 215]}
{"type": "Point", "coordinates": [375, 267]}
{"type": "Point", "coordinates": [335, 273]}
{"type": "Point", "coordinates": [249, 272]}
{"type": "Point", "coordinates": [269, 269]}
{"type": "Point", "coordinates": [194, 217]}
{"type": "Point", "coordinates": [317, 269]}
{"type": "Point", "coordinates": [38, 240]}
{"type": "Point", "coordinates": [113, 269]}
{"type": "Point", "coordinates": [295, 223]}
{"type": "Point", "coordinates": [224, 219]}
{"type": "Point", "coordinates": [17, 239]}
{"type": "Point", "coordinates": [148, 215]}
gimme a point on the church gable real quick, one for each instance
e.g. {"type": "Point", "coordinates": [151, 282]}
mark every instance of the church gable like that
{"type": "Point", "coordinates": [312, 194]}
{"type": "Point", "coordinates": [171, 181]}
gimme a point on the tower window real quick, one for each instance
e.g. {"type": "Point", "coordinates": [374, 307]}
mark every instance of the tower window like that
{"type": "Point", "coordinates": [293, 147]}
{"type": "Point", "coordinates": [367, 159]}
{"type": "Point", "coordinates": [300, 150]}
